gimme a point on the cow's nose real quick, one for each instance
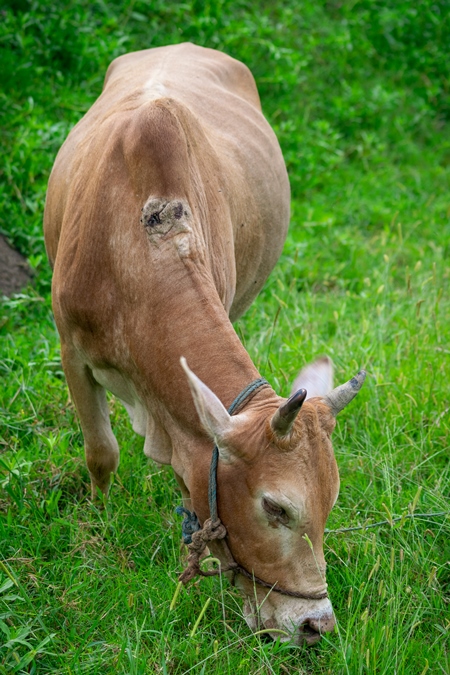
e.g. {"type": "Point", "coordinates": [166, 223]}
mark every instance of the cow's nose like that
{"type": "Point", "coordinates": [313, 628]}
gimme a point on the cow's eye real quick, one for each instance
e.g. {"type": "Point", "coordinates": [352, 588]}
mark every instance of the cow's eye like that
{"type": "Point", "coordinates": [274, 511]}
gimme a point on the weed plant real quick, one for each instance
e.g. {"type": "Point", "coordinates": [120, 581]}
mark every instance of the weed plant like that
{"type": "Point", "coordinates": [358, 93]}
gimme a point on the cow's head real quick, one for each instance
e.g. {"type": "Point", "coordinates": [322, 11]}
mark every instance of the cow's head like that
{"type": "Point", "coordinates": [277, 483]}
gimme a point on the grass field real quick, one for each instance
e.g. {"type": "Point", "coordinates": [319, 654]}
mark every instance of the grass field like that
{"type": "Point", "coordinates": [358, 93]}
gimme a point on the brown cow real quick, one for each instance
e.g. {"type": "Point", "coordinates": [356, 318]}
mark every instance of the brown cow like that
{"type": "Point", "coordinates": [167, 208]}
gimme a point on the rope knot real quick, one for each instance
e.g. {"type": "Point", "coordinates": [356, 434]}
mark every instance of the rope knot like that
{"type": "Point", "coordinates": [210, 531]}
{"type": "Point", "coordinates": [214, 529]}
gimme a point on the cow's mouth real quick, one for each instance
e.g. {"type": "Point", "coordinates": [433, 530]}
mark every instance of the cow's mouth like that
{"type": "Point", "coordinates": [304, 635]}
{"type": "Point", "coordinates": [309, 635]}
{"type": "Point", "coordinates": [269, 629]}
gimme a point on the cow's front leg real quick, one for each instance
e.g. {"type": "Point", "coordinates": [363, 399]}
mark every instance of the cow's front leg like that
{"type": "Point", "coordinates": [89, 397]}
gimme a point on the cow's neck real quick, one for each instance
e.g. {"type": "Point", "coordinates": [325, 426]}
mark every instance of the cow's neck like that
{"type": "Point", "coordinates": [196, 327]}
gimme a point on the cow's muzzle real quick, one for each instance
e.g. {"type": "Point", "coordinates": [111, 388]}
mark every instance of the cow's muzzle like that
{"type": "Point", "coordinates": [279, 623]}
{"type": "Point", "coordinates": [312, 629]}
{"type": "Point", "coordinates": [309, 632]}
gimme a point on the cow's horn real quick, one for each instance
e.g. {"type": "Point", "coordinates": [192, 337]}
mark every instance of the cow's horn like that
{"type": "Point", "coordinates": [341, 396]}
{"type": "Point", "coordinates": [284, 417]}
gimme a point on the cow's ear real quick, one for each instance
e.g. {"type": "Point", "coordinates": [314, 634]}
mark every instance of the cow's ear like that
{"type": "Point", "coordinates": [316, 378]}
{"type": "Point", "coordinates": [213, 414]}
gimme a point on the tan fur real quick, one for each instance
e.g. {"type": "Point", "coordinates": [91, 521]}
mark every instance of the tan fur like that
{"type": "Point", "coordinates": [167, 208]}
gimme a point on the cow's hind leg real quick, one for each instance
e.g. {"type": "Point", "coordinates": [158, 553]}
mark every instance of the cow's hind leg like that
{"type": "Point", "coordinates": [89, 397]}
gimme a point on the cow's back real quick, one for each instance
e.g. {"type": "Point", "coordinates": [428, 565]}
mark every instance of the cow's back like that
{"type": "Point", "coordinates": [179, 121]}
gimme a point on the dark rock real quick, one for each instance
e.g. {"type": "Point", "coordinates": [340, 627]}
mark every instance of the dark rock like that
{"type": "Point", "coordinates": [14, 270]}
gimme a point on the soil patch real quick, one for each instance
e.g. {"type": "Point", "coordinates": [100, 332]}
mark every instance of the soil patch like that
{"type": "Point", "coordinates": [14, 270]}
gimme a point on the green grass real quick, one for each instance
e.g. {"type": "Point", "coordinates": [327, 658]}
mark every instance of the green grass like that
{"type": "Point", "coordinates": [358, 94]}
